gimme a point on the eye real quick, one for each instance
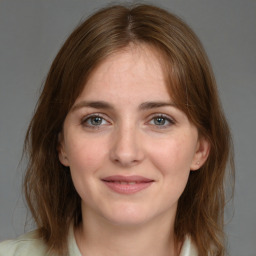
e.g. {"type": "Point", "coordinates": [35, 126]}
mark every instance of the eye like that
{"type": "Point", "coordinates": [161, 121]}
{"type": "Point", "coordinates": [94, 121]}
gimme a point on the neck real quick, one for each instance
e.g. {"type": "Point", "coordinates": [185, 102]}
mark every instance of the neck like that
{"type": "Point", "coordinates": [97, 237]}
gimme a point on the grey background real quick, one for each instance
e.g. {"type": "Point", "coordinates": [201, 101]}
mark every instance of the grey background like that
{"type": "Point", "coordinates": [31, 32]}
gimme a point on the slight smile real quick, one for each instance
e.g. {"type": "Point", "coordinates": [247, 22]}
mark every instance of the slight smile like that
{"type": "Point", "coordinates": [127, 184]}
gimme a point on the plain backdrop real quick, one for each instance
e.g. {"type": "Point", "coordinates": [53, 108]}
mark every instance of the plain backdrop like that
{"type": "Point", "coordinates": [32, 31]}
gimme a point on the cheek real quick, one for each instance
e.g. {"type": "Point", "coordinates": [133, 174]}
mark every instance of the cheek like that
{"type": "Point", "coordinates": [85, 159]}
{"type": "Point", "coordinates": [172, 161]}
{"type": "Point", "coordinates": [173, 156]}
{"type": "Point", "coordinates": [85, 155]}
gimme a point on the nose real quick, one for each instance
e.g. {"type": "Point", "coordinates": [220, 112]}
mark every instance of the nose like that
{"type": "Point", "coordinates": [127, 147]}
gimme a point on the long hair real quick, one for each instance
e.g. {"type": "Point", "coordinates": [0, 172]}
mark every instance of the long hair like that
{"type": "Point", "coordinates": [49, 191]}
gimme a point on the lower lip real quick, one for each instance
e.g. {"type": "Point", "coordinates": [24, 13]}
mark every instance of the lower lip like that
{"type": "Point", "coordinates": [127, 188]}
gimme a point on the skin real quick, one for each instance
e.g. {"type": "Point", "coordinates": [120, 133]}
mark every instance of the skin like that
{"type": "Point", "coordinates": [126, 136]}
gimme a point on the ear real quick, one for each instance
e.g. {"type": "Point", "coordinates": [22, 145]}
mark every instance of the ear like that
{"type": "Point", "coordinates": [61, 150]}
{"type": "Point", "coordinates": [201, 154]}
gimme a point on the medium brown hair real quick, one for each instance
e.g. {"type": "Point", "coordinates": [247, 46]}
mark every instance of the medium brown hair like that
{"type": "Point", "coordinates": [49, 191]}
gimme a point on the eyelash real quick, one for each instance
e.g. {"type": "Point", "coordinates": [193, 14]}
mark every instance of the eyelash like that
{"type": "Point", "coordinates": [153, 118]}
{"type": "Point", "coordinates": [166, 118]}
{"type": "Point", "coordinates": [88, 118]}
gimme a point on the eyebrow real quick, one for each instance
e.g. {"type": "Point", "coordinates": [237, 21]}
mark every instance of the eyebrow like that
{"type": "Point", "coordinates": [92, 104]}
{"type": "Point", "coordinates": [106, 105]}
{"type": "Point", "coordinates": [155, 104]}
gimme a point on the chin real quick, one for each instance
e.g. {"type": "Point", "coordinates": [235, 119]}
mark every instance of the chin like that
{"type": "Point", "coordinates": [129, 216]}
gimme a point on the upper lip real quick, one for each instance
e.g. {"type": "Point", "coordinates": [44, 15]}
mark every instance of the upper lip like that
{"type": "Point", "coordinates": [133, 178]}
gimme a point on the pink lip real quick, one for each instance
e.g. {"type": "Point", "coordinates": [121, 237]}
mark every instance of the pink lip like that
{"type": "Point", "coordinates": [127, 184]}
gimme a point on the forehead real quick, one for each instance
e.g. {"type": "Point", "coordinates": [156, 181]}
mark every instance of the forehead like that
{"type": "Point", "coordinates": [134, 70]}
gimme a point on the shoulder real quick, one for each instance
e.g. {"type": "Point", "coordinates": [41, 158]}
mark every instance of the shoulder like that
{"type": "Point", "coordinates": [28, 244]}
{"type": "Point", "coordinates": [188, 248]}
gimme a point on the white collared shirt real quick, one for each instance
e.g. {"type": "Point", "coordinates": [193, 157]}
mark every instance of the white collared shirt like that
{"type": "Point", "coordinates": [28, 244]}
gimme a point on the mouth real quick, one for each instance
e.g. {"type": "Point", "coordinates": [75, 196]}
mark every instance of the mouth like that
{"type": "Point", "coordinates": [127, 184]}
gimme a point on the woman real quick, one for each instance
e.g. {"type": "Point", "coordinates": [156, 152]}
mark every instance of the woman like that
{"type": "Point", "coordinates": [128, 145]}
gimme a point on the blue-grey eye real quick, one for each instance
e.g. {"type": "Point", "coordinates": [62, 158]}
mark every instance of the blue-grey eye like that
{"type": "Point", "coordinates": [95, 120]}
{"type": "Point", "coordinates": [159, 120]}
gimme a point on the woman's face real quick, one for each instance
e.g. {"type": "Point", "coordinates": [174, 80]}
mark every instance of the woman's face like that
{"type": "Point", "coordinates": [129, 148]}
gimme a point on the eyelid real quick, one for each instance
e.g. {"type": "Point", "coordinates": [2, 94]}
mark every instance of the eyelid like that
{"type": "Point", "coordinates": [87, 117]}
{"type": "Point", "coordinates": [92, 115]}
{"type": "Point", "coordinates": [170, 119]}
